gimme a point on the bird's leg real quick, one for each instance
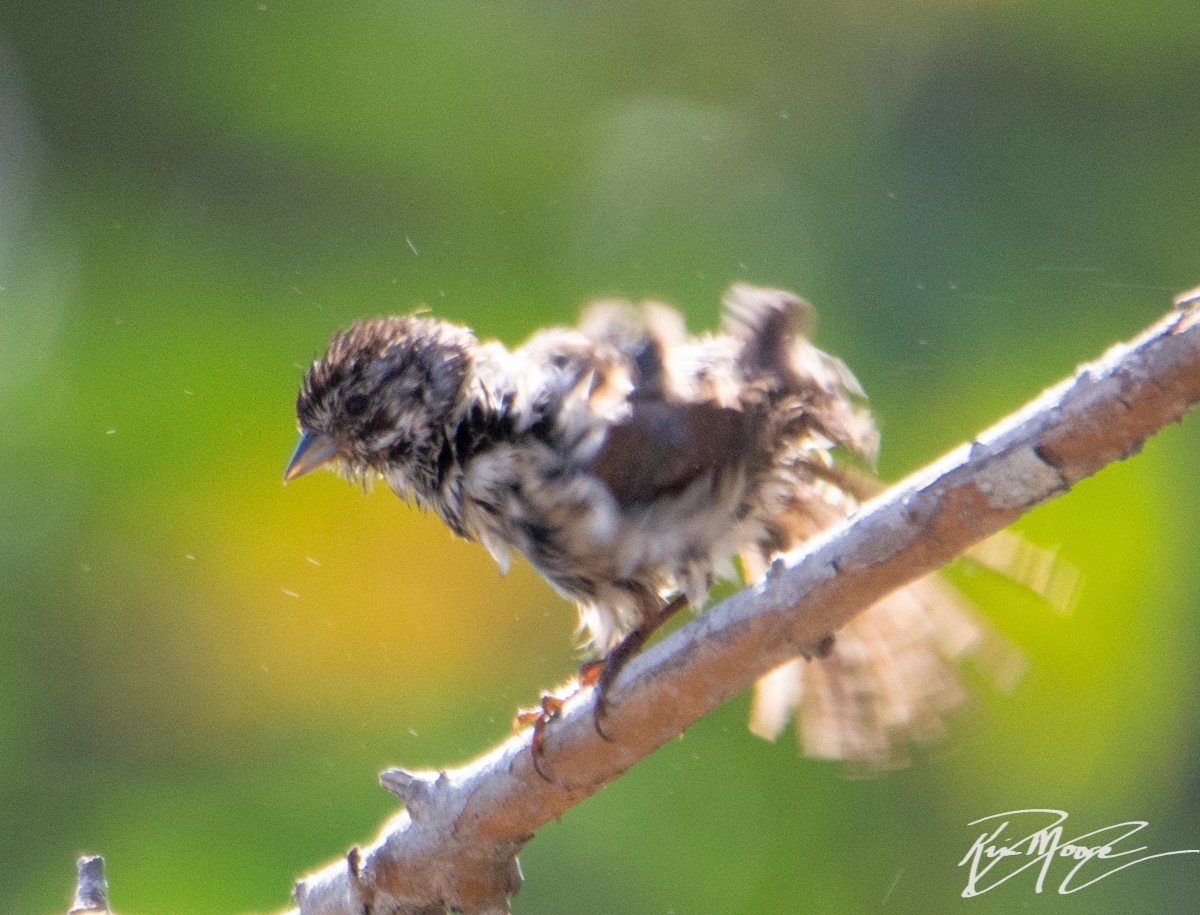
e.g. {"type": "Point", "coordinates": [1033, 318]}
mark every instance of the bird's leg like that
{"type": "Point", "coordinates": [602, 673]}
{"type": "Point", "coordinates": [599, 674]}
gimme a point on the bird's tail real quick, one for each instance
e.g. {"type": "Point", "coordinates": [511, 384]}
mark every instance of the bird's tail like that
{"type": "Point", "coordinates": [891, 676]}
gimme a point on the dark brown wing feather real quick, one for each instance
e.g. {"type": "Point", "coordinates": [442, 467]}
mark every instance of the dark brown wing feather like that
{"type": "Point", "coordinates": [664, 447]}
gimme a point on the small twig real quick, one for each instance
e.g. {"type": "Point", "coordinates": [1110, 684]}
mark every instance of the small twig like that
{"type": "Point", "coordinates": [91, 889]}
{"type": "Point", "coordinates": [455, 844]}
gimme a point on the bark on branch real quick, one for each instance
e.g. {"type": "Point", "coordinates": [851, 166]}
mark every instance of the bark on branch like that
{"type": "Point", "coordinates": [455, 843]}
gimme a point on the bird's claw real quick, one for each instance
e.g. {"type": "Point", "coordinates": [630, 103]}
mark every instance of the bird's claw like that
{"type": "Point", "coordinates": [550, 707]}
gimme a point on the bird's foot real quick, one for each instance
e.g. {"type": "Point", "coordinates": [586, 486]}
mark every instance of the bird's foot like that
{"type": "Point", "coordinates": [600, 674]}
{"type": "Point", "coordinates": [549, 707]}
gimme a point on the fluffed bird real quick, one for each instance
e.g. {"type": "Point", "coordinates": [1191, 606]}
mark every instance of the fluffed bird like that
{"type": "Point", "coordinates": [630, 462]}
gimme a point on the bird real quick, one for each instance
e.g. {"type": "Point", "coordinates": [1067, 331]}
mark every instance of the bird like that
{"type": "Point", "coordinates": [634, 464]}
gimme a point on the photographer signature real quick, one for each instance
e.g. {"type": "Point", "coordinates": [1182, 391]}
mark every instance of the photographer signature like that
{"type": "Point", "coordinates": [1093, 855]}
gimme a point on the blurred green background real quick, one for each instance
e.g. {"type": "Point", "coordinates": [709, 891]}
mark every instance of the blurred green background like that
{"type": "Point", "coordinates": [201, 672]}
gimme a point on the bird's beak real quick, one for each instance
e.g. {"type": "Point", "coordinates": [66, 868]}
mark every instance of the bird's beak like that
{"type": "Point", "coordinates": [312, 451]}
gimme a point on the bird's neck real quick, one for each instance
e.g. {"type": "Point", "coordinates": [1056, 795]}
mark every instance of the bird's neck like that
{"type": "Point", "coordinates": [484, 417]}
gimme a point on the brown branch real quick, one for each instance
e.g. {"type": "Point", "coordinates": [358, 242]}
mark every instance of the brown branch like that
{"type": "Point", "coordinates": [455, 843]}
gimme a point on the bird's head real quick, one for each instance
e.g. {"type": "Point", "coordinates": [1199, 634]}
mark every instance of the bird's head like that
{"type": "Point", "coordinates": [379, 398]}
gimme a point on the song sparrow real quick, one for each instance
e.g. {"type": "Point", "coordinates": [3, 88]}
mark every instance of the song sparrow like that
{"type": "Point", "coordinates": [629, 462]}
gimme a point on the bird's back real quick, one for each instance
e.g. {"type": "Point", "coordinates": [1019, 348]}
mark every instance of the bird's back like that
{"type": "Point", "coordinates": [643, 460]}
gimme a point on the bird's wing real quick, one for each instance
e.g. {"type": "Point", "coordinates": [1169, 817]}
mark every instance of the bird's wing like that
{"type": "Point", "coordinates": [666, 434]}
{"type": "Point", "coordinates": [664, 447]}
{"type": "Point", "coordinates": [772, 327]}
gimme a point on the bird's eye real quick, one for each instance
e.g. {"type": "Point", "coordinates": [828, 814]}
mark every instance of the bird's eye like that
{"type": "Point", "coordinates": [356, 404]}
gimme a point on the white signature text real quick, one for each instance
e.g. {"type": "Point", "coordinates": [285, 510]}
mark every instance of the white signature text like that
{"type": "Point", "coordinates": [1021, 840]}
